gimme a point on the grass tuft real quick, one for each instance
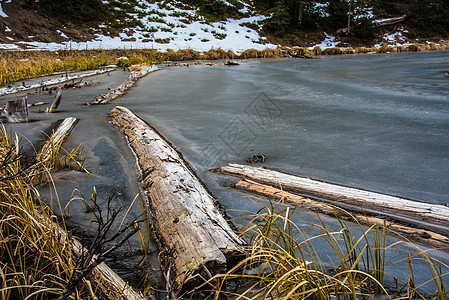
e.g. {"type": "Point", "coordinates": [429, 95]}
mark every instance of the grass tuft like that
{"type": "Point", "coordinates": [34, 261]}
{"type": "Point", "coordinates": [283, 262]}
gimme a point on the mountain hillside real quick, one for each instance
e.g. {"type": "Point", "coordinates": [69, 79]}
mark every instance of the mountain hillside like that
{"type": "Point", "coordinates": [209, 24]}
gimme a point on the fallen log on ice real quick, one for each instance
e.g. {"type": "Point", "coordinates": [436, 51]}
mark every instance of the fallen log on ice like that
{"type": "Point", "coordinates": [57, 137]}
{"type": "Point", "coordinates": [52, 82]}
{"type": "Point", "coordinates": [136, 73]}
{"type": "Point", "coordinates": [111, 285]}
{"type": "Point", "coordinates": [15, 111]}
{"type": "Point", "coordinates": [417, 235]}
{"type": "Point", "coordinates": [195, 239]}
{"type": "Point", "coordinates": [430, 216]}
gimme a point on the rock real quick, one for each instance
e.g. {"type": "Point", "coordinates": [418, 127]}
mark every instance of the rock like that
{"type": "Point", "coordinates": [231, 63]}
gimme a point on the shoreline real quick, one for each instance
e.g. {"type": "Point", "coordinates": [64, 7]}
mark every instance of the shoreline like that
{"type": "Point", "coordinates": [22, 65]}
{"type": "Point", "coordinates": [204, 65]}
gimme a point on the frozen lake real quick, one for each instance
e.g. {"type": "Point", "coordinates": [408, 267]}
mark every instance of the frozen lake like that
{"type": "Point", "coordinates": [377, 122]}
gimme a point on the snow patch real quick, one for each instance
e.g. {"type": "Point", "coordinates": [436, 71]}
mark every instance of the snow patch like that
{"type": "Point", "coordinates": [8, 47]}
{"type": "Point", "coordinates": [328, 42]}
{"type": "Point", "coordinates": [2, 13]}
{"type": "Point", "coordinates": [62, 34]}
{"type": "Point", "coordinates": [321, 9]}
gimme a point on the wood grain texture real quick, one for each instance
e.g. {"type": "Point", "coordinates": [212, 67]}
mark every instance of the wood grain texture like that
{"type": "Point", "coordinates": [134, 76]}
{"type": "Point", "coordinates": [195, 239]}
{"type": "Point", "coordinates": [417, 235]}
{"type": "Point", "coordinates": [431, 215]}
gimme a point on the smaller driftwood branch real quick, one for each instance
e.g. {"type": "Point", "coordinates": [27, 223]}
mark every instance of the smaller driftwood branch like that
{"type": "Point", "coordinates": [111, 285]}
{"type": "Point", "coordinates": [56, 101]}
{"type": "Point", "coordinates": [134, 76]}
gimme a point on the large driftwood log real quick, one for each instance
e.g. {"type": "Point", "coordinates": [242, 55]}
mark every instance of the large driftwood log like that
{"type": "Point", "coordinates": [52, 82]}
{"type": "Point", "coordinates": [110, 284]}
{"type": "Point", "coordinates": [14, 111]}
{"type": "Point", "coordinates": [136, 73]}
{"type": "Point", "coordinates": [431, 216]}
{"type": "Point", "coordinates": [195, 239]}
{"type": "Point", "coordinates": [417, 235]}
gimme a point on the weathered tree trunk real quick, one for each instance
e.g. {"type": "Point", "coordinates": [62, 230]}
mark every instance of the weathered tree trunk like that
{"type": "Point", "coordinates": [57, 137]}
{"type": "Point", "coordinates": [300, 12]}
{"type": "Point", "coordinates": [349, 17]}
{"type": "Point", "coordinates": [56, 101]}
{"type": "Point", "coordinates": [52, 82]}
{"type": "Point", "coordinates": [133, 77]}
{"type": "Point", "coordinates": [421, 236]}
{"type": "Point", "coordinates": [434, 217]}
{"type": "Point", "coordinates": [15, 111]}
{"type": "Point", "coordinates": [390, 21]}
{"type": "Point", "coordinates": [195, 239]}
{"type": "Point", "coordinates": [110, 284]}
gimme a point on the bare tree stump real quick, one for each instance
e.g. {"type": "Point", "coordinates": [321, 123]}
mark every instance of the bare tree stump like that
{"type": "Point", "coordinates": [15, 111]}
{"type": "Point", "coordinates": [195, 239]}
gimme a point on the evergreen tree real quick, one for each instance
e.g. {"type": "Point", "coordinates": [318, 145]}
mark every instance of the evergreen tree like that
{"type": "Point", "coordinates": [76, 11]}
{"type": "Point", "coordinates": [279, 20]}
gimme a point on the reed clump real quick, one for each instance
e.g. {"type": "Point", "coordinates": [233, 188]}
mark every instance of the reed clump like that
{"type": "Point", "coordinates": [317, 50]}
{"type": "Point", "coordinates": [283, 262]}
{"type": "Point", "coordinates": [363, 50]}
{"type": "Point", "coordinates": [332, 51]}
{"type": "Point", "coordinates": [22, 65]}
{"type": "Point", "coordinates": [35, 261]}
{"type": "Point", "coordinates": [266, 53]}
{"type": "Point", "coordinates": [215, 54]}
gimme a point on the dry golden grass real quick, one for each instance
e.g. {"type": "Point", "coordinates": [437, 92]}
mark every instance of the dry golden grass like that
{"type": "Point", "coordinates": [35, 262]}
{"type": "Point", "coordinates": [348, 51]}
{"type": "Point", "coordinates": [215, 54]}
{"type": "Point", "coordinates": [332, 51]}
{"type": "Point", "coordinates": [21, 65]}
{"type": "Point", "coordinates": [266, 53]}
{"type": "Point", "coordinates": [317, 50]}
{"type": "Point", "coordinates": [283, 262]}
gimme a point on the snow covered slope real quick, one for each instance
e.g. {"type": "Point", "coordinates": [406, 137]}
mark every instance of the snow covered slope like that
{"type": "Point", "coordinates": [163, 25]}
{"type": "Point", "coordinates": [168, 26]}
